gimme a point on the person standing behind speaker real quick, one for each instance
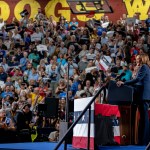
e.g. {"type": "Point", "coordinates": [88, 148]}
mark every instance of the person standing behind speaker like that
{"type": "Point", "coordinates": [142, 77]}
{"type": "Point", "coordinates": [23, 123]}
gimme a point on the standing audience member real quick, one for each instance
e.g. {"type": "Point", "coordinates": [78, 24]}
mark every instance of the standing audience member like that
{"type": "Point", "coordinates": [23, 124]}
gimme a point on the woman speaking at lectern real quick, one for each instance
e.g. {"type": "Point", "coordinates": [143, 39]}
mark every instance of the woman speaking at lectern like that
{"type": "Point", "coordinates": [143, 79]}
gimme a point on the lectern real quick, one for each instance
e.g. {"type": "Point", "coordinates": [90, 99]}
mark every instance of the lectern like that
{"type": "Point", "coordinates": [123, 96]}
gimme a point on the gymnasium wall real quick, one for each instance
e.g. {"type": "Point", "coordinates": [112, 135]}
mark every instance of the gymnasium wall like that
{"type": "Point", "coordinates": [11, 8]}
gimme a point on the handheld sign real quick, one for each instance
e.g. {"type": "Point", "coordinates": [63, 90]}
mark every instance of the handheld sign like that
{"type": "Point", "coordinates": [41, 47]}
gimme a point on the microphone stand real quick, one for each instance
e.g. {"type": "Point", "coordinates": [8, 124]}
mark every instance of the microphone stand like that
{"type": "Point", "coordinates": [67, 105]}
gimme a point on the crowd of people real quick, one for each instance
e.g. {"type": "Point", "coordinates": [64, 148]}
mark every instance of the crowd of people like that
{"type": "Point", "coordinates": [71, 55]}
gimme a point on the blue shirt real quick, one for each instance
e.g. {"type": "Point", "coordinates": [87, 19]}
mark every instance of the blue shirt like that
{"type": "Point", "coordinates": [127, 76]}
{"type": "Point", "coordinates": [3, 76]}
{"type": "Point", "coordinates": [23, 62]}
{"type": "Point", "coordinates": [71, 68]}
{"type": "Point", "coordinates": [74, 87]}
{"type": "Point", "coordinates": [72, 26]}
{"type": "Point", "coordinates": [33, 76]}
{"type": "Point", "coordinates": [5, 94]}
{"type": "Point", "coordinates": [63, 61]}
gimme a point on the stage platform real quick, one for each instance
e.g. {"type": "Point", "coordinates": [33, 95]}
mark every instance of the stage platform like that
{"type": "Point", "coordinates": [51, 146]}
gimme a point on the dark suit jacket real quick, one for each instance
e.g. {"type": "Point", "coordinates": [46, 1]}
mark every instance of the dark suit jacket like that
{"type": "Point", "coordinates": [143, 76]}
{"type": "Point", "coordinates": [23, 120]}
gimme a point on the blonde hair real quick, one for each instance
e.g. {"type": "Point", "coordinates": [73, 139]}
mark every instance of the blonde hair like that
{"type": "Point", "coordinates": [145, 59]}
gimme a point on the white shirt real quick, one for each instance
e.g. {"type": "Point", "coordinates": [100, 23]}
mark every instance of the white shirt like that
{"type": "Point", "coordinates": [104, 40]}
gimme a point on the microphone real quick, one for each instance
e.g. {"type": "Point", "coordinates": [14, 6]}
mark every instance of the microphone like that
{"type": "Point", "coordinates": [120, 76]}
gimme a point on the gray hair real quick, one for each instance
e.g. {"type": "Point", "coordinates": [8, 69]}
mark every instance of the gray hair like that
{"type": "Point", "coordinates": [72, 47]}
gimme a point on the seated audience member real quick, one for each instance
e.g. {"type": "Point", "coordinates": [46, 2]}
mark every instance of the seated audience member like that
{"type": "Point", "coordinates": [7, 92]}
{"type": "Point", "coordinates": [33, 75]}
{"type": "Point", "coordinates": [72, 66]}
{"type": "Point", "coordinates": [6, 122]}
{"type": "Point", "coordinates": [83, 63]}
{"type": "Point", "coordinates": [12, 113]}
{"type": "Point", "coordinates": [7, 128]}
{"type": "Point", "coordinates": [61, 88]}
{"type": "Point", "coordinates": [54, 136]}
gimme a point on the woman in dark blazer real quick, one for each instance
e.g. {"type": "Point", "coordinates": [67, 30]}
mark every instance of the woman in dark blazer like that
{"type": "Point", "coordinates": [142, 78]}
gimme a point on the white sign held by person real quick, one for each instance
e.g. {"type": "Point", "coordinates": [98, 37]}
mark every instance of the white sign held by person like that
{"type": "Point", "coordinates": [88, 70]}
{"type": "Point", "coordinates": [41, 47]}
{"type": "Point", "coordinates": [105, 63]}
{"type": "Point", "coordinates": [105, 25]}
{"type": "Point", "coordinates": [35, 37]}
{"type": "Point", "coordinates": [110, 33]}
{"type": "Point", "coordinates": [130, 21]}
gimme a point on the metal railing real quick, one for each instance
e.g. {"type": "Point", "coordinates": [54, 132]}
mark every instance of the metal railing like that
{"type": "Point", "coordinates": [89, 120]}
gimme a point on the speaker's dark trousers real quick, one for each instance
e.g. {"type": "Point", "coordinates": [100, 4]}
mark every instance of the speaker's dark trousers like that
{"type": "Point", "coordinates": [144, 123]}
